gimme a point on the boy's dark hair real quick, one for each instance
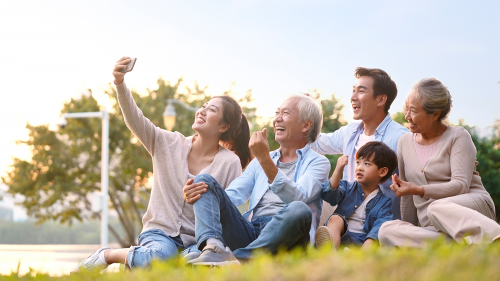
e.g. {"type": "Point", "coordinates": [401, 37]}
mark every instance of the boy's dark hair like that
{"type": "Point", "coordinates": [383, 156]}
{"type": "Point", "coordinates": [383, 84]}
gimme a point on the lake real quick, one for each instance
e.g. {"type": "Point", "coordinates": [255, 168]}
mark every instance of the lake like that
{"type": "Point", "coordinates": [55, 260]}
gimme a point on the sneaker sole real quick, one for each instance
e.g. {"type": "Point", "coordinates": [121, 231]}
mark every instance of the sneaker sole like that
{"type": "Point", "coordinates": [322, 237]}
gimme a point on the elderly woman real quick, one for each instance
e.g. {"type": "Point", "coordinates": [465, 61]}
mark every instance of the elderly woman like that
{"type": "Point", "coordinates": [441, 191]}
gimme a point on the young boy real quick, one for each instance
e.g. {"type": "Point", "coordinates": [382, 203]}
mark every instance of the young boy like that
{"type": "Point", "coordinates": [362, 207]}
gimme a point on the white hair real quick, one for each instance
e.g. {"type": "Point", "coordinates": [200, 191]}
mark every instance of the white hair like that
{"type": "Point", "coordinates": [434, 96]}
{"type": "Point", "coordinates": [309, 109]}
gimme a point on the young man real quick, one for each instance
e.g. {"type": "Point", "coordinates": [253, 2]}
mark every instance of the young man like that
{"type": "Point", "coordinates": [372, 96]}
{"type": "Point", "coordinates": [362, 207]}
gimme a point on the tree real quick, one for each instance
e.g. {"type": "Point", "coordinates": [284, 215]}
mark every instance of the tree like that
{"type": "Point", "coordinates": [488, 156]}
{"type": "Point", "coordinates": [65, 164]}
{"type": "Point", "coordinates": [332, 121]}
{"type": "Point", "coordinates": [400, 118]}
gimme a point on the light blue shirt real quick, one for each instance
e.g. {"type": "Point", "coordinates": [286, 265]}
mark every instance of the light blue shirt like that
{"type": "Point", "coordinates": [306, 185]}
{"type": "Point", "coordinates": [343, 141]}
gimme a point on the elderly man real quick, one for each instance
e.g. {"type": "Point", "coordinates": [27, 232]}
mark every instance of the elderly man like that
{"type": "Point", "coordinates": [283, 186]}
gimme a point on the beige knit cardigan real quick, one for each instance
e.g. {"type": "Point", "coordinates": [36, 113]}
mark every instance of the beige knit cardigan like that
{"type": "Point", "coordinates": [450, 171]}
{"type": "Point", "coordinates": [167, 210]}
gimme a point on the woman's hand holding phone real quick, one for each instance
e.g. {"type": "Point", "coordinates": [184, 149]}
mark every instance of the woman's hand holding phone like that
{"type": "Point", "coordinates": [121, 68]}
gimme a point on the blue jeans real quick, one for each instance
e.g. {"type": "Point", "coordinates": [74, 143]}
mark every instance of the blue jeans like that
{"type": "Point", "coordinates": [155, 244]}
{"type": "Point", "coordinates": [217, 217]}
{"type": "Point", "coordinates": [349, 237]}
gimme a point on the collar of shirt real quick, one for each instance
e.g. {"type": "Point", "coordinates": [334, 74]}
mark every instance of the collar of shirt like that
{"type": "Point", "coordinates": [275, 155]}
{"type": "Point", "coordinates": [352, 202]}
{"type": "Point", "coordinates": [381, 127]}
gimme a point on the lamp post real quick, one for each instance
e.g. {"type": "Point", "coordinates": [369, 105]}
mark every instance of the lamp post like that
{"type": "Point", "coordinates": [169, 114]}
{"type": "Point", "coordinates": [99, 203]}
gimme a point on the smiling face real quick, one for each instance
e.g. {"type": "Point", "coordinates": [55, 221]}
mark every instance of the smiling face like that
{"type": "Point", "coordinates": [418, 120]}
{"type": "Point", "coordinates": [208, 119]}
{"type": "Point", "coordinates": [367, 172]}
{"type": "Point", "coordinates": [286, 123]}
{"type": "Point", "coordinates": [364, 105]}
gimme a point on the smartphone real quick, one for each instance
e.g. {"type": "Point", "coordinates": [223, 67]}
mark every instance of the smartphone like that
{"type": "Point", "coordinates": [130, 65]}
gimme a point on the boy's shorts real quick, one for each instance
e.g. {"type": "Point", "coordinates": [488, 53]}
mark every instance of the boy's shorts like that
{"type": "Point", "coordinates": [349, 237]}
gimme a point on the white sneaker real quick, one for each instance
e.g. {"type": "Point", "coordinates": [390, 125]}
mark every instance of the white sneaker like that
{"type": "Point", "coordinates": [322, 237]}
{"type": "Point", "coordinates": [93, 262]}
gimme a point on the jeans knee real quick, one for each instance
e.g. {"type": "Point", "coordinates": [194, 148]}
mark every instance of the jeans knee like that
{"type": "Point", "coordinates": [299, 211]}
{"type": "Point", "coordinates": [206, 178]}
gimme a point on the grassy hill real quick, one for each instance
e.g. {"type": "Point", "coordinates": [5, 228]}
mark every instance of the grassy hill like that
{"type": "Point", "coordinates": [438, 261]}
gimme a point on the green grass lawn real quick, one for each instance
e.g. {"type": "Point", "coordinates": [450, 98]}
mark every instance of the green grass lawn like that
{"type": "Point", "coordinates": [438, 261]}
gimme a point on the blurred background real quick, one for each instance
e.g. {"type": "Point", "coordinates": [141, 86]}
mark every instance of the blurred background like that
{"type": "Point", "coordinates": [57, 56]}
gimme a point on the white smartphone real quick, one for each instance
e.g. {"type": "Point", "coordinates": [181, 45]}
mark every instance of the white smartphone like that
{"type": "Point", "coordinates": [130, 65]}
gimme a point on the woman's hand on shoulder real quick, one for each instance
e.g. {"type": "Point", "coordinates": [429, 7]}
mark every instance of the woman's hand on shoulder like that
{"type": "Point", "coordinates": [402, 188]}
{"type": "Point", "coordinates": [120, 65]}
{"type": "Point", "coordinates": [193, 191]}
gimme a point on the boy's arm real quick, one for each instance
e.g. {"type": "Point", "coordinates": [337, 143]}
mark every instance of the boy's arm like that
{"type": "Point", "coordinates": [336, 195]}
{"type": "Point", "coordinates": [339, 169]}
{"type": "Point", "coordinates": [334, 190]}
{"type": "Point", "coordinates": [384, 215]}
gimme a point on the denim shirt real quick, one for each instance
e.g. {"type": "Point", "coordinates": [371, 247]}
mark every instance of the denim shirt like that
{"type": "Point", "coordinates": [343, 141]}
{"type": "Point", "coordinates": [349, 195]}
{"type": "Point", "coordinates": [311, 172]}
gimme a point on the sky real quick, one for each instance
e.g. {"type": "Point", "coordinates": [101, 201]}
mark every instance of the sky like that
{"type": "Point", "coordinates": [51, 51]}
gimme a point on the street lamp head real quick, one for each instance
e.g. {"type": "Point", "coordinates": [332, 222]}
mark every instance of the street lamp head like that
{"type": "Point", "coordinates": [169, 116]}
{"type": "Point", "coordinates": [62, 123]}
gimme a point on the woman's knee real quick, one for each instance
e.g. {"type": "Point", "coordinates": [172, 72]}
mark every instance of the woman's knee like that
{"type": "Point", "coordinates": [385, 233]}
{"type": "Point", "coordinates": [436, 208]}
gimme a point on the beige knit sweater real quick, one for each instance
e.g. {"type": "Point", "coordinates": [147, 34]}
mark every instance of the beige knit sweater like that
{"type": "Point", "coordinates": [450, 171]}
{"type": "Point", "coordinates": [167, 210]}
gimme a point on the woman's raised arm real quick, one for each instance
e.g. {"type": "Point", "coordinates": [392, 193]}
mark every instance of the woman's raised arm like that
{"type": "Point", "coordinates": [141, 126]}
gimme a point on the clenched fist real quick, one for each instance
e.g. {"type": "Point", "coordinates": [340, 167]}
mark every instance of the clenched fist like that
{"type": "Point", "coordinates": [258, 144]}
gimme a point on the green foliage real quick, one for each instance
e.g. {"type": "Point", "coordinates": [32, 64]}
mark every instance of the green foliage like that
{"type": "Point", "coordinates": [332, 121]}
{"type": "Point", "coordinates": [488, 156]}
{"type": "Point", "coordinates": [65, 164]}
{"type": "Point", "coordinates": [438, 261]}
{"type": "Point", "coordinates": [400, 118]}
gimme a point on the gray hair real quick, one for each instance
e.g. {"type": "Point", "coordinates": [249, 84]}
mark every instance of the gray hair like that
{"type": "Point", "coordinates": [309, 109]}
{"type": "Point", "coordinates": [434, 96]}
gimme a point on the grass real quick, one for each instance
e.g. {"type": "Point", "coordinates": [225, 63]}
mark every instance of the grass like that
{"type": "Point", "coordinates": [438, 261]}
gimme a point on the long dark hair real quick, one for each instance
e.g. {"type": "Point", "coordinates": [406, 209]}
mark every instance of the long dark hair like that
{"type": "Point", "coordinates": [236, 138]}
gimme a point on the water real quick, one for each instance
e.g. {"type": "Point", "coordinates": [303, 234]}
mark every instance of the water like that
{"type": "Point", "coordinates": [55, 260]}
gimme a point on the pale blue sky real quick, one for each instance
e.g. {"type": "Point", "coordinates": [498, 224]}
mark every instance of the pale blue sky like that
{"type": "Point", "coordinates": [53, 50]}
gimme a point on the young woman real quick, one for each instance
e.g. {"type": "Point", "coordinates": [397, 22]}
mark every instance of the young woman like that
{"type": "Point", "coordinates": [168, 224]}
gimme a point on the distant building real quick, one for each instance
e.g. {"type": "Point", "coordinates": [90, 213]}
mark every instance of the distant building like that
{"type": "Point", "coordinates": [9, 211]}
{"type": "Point", "coordinates": [6, 213]}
